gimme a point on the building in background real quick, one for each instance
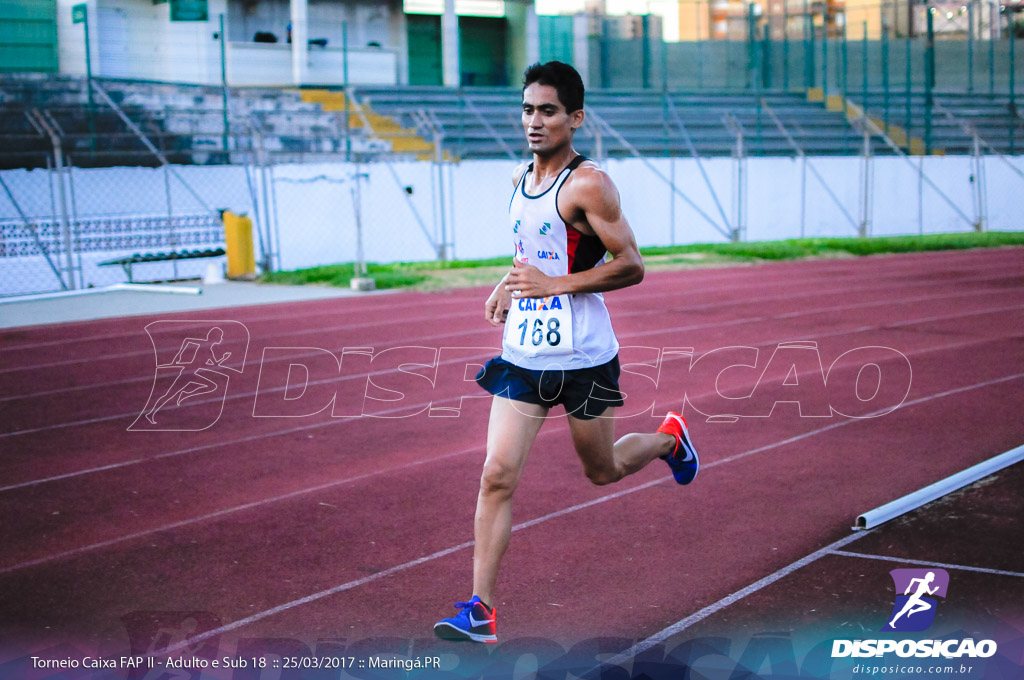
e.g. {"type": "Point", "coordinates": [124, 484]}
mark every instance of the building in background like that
{"type": "Point", "coordinates": [273, 42]}
{"type": "Point", "coordinates": [28, 36]}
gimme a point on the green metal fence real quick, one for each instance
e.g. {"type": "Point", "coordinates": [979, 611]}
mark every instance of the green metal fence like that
{"type": "Point", "coordinates": [969, 48]}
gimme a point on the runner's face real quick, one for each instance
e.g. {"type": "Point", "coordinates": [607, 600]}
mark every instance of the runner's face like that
{"type": "Point", "coordinates": [547, 125]}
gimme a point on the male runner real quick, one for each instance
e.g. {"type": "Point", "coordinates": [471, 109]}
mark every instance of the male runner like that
{"type": "Point", "coordinates": [558, 345]}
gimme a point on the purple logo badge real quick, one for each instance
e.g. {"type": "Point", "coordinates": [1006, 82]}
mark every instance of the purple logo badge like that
{"type": "Point", "coordinates": [914, 609]}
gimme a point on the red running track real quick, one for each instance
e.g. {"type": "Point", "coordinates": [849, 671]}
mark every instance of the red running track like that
{"type": "Point", "coordinates": [313, 528]}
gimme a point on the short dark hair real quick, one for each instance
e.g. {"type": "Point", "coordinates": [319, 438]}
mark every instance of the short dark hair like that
{"type": "Point", "coordinates": [561, 76]}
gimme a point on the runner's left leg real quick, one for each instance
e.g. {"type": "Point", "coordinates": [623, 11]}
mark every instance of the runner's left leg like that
{"type": "Point", "coordinates": [605, 462]}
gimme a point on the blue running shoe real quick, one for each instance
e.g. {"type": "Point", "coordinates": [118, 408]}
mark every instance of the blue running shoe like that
{"type": "Point", "coordinates": [683, 460]}
{"type": "Point", "coordinates": [473, 622]}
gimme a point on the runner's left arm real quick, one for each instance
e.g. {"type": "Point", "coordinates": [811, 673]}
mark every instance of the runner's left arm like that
{"type": "Point", "coordinates": [595, 207]}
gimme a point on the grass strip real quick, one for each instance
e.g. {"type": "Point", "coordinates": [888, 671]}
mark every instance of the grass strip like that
{"type": "Point", "coordinates": [421, 274]}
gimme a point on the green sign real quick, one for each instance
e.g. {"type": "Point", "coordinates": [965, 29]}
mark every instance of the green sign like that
{"type": "Point", "coordinates": [189, 10]}
{"type": "Point", "coordinates": [78, 14]}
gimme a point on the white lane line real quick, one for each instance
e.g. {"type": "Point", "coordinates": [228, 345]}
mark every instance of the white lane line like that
{"type": "Point", "coordinates": [237, 508]}
{"type": "Point", "coordinates": [302, 428]}
{"type": "Point", "coordinates": [214, 445]}
{"type": "Point", "coordinates": [623, 299]}
{"type": "Point", "coordinates": [565, 511]}
{"type": "Point", "coordinates": [964, 265]}
{"type": "Point", "coordinates": [312, 598]}
{"type": "Point", "coordinates": [294, 494]}
{"type": "Point", "coordinates": [683, 624]}
{"type": "Point", "coordinates": [645, 334]}
{"type": "Point", "coordinates": [926, 563]}
{"type": "Point", "coordinates": [619, 315]}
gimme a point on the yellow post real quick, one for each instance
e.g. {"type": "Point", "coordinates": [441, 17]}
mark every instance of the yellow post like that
{"type": "Point", "coordinates": [238, 241]}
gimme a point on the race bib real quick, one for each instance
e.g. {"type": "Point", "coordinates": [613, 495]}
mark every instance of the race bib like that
{"type": "Point", "coordinates": [539, 326]}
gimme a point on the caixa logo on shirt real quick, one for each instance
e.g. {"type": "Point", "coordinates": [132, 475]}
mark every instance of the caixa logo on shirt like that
{"type": "Point", "coordinates": [547, 255]}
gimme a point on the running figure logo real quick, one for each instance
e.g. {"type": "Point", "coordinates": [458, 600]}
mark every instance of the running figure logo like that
{"type": "Point", "coordinates": [191, 362]}
{"type": "Point", "coordinates": [915, 609]}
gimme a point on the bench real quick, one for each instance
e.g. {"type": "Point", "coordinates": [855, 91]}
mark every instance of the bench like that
{"type": "Point", "coordinates": [143, 258]}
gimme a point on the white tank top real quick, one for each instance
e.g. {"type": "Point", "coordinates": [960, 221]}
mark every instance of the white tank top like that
{"type": "Point", "coordinates": [543, 239]}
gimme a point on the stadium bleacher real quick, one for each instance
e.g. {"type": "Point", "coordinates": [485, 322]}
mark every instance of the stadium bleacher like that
{"type": "Point", "coordinates": [186, 122]}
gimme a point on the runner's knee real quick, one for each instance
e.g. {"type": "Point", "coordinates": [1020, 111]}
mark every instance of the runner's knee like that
{"type": "Point", "coordinates": [602, 476]}
{"type": "Point", "coordinates": [498, 477]}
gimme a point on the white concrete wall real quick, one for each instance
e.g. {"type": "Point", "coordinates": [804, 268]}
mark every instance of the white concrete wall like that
{"type": "Point", "coordinates": [137, 39]}
{"type": "Point", "coordinates": [316, 218]}
{"type": "Point", "coordinates": [267, 64]}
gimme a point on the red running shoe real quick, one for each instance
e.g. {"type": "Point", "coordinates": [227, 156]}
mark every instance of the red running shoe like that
{"type": "Point", "coordinates": [683, 460]}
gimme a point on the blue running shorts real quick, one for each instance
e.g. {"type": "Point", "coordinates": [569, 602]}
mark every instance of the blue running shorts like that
{"type": "Point", "coordinates": [585, 392]}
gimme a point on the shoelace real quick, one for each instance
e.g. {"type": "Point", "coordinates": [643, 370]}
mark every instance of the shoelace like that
{"type": "Point", "coordinates": [463, 605]}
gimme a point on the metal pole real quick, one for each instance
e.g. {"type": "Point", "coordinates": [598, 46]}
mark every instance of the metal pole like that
{"type": "Point", "coordinates": [700, 50]}
{"type": "Point", "coordinates": [908, 76]}
{"type": "Point", "coordinates": [664, 65]}
{"type": "Point", "coordinates": [785, 46]}
{"type": "Point", "coordinates": [824, 57]}
{"type": "Point", "coordinates": [277, 223]}
{"type": "Point", "coordinates": [755, 82]}
{"type": "Point", "coordinates": [645, 52]}
{"type": "Point", "coordinates": [740, 194]}
{"type": "Point", "coordinates": [268, 254]}
{"type": "Point", "coordinates": [357, 199]}
{"type": "Point", "coordinates": [885, 72]}
{"type": "Point", "coordinates": [920, 194]}
{"type": "Point", "coordinates": [846, 64]}
{"type": "Point", "coordinates": [344, 81]}
{"type": "Point", "coordinates": [66, 226]}
{"type": "Point", "coordinates": [1013, 42]}
{"type": "Point", "coordinates": [864, 68]}
{"type": "Point", "coordinates": [866, 179]}
{"type": "Point", "coordinates": [808, 47]}
{"type": "Point", "coordinates": [751, 48]}
{"type": "Point", "coordinates": [803, 195]}
{"type": "Point", "coordinates": [929, 76]}
{"type": "Point", "coordinates": [451, 204]}
{"type": "Point", "coordinates": [976, 179]}
{"type": "Point", "coordinates": [439, 160]}
{"type": "Point", "coordinates": [982, 187]}
{"type": "Point", "coordinates": [170, 220]}
{"type": "Point", "coordinates": [993, 23]}
{"type": "Point", "coordinates": [970, 46]}
{"type": "Point", "coordinates": [605, 50]}
{"type": "Point", "coordinates": [1012, 29]}
{"type": "Point", "coordinates": [224, 85]}
{"type": "Point", "coordinates": [672, 201]}
{"type": "Point", "coordinates": [76, 227]}
{"type": "Point", "coordinates": [88, 84]}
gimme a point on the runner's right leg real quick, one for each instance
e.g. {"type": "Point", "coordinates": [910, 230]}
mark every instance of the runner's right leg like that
{"type": "Point", "coordinates": [511, 431]}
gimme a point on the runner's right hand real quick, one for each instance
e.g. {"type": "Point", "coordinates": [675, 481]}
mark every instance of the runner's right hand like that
{"type": "Point", "coordinates": [496, 307]}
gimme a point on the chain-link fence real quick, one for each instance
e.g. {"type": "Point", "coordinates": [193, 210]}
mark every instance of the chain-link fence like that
{"type": "Point", "coordinates": [965, 46]}
{"type": "Point", "coordinates": [156, 215]}
{"type": "Point", "coordinates": [101, 170]}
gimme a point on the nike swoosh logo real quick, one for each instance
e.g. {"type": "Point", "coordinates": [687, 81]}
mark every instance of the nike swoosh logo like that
{"type": "Point", "coordinates": [474, 623]}
{"type": "Point", "coordinates": [682, 426]}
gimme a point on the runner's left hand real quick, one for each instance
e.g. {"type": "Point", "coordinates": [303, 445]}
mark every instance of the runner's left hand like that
{"type": "Point", "coordinates": [526, 281]}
